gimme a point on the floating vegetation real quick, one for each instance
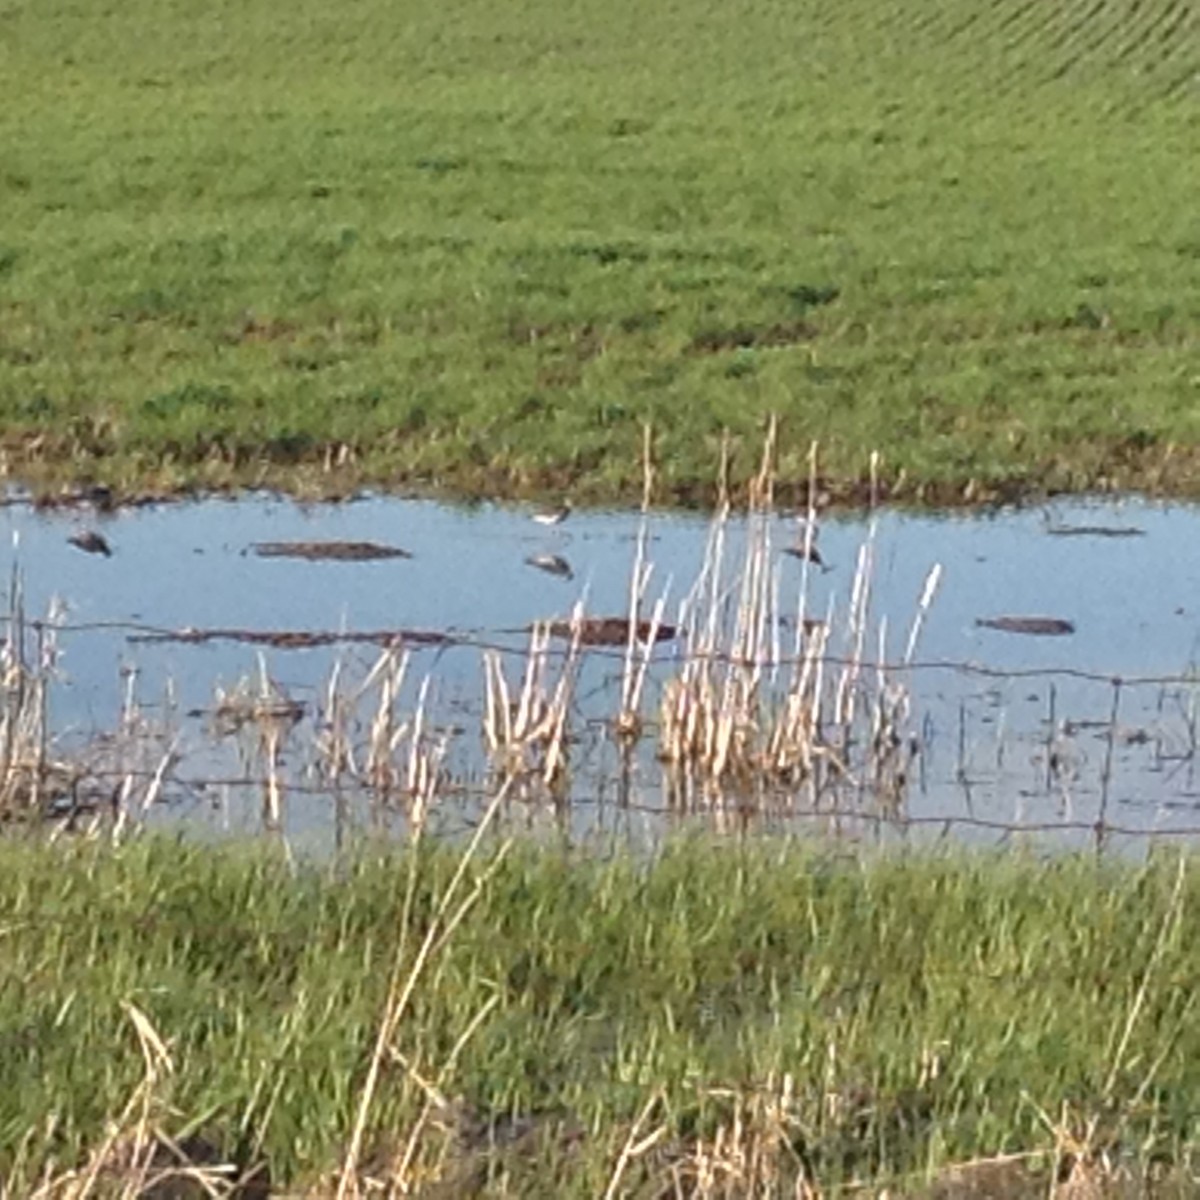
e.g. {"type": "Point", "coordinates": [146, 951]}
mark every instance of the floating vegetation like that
{"type": "Point", "coordinates": [1104, 531]}
{"type": "Point", "coordinates": [329, 551]}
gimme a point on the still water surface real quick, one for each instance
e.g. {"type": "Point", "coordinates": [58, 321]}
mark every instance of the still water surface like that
{"type": "Point", "coordinates": [1010, 730]}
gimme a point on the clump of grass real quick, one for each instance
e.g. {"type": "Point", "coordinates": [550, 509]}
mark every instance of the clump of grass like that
{"type": "Point", "coordinates": [719, 1018]}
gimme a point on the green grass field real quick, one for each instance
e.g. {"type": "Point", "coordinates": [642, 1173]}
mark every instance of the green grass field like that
{"type": "Point", "coordinates": [476, 246]}
{"type": "Point", "coordinates": [872, 1019]}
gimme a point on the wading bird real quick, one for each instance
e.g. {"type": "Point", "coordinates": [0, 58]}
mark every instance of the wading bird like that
{"type": "Point", "coordinates": [553, 516]}
{"type": "Point", "coordinates": [806, 547]}
{"type": "Point", "coordinates": [807, 552]}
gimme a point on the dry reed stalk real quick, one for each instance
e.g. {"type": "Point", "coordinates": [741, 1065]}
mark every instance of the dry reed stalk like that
{"type": "Point", "coordinates": [636, 1144]}
{"type": "Point", "coordinates": [793, 738]}
{"type": "Point", "coordinates": [261, 716]}
{"type": "Point", "coordinates": [688, 732]}
{"type": "Point", "coordinates": [435, 1098]}
{"type": "Point", "coordinates": [892, 703]}
{"type": "Point", "coordinates": [135, 1158]}
{"type": "Point", "coordinates": [272, 807]}
{"type": "Point", "coordinates": [447, 916]}
{"type": "Point", "coordinates": [639, 649]}
{"type": "Point", "coordinates": [399, 755]}
{"type": "Point", "coordinates": [527, 737]}
{"type": "Point", "coordinates": [628, 723]}
{"type": "Point", "coordinates": [274, 716]}
{"type": "Point", "coordinates": [752, 1153]}
{"type": "Point", "coordinates": [389, 670]}
{"type": "Point", "coordinates": [762, 487]}
{"type": "Point", "coordinates": [723, 474]}
{"type": "Point", "coordinates": [710, 711]}
{"type": "Point", "coordinates": [30, 779]}
{"type": "Point", "coordinates": [856, 634]}
{"type": "Point", "coordinates": [424, 757]}
{"type": "Point", "coordinates": [731, 720]}
{"type": "Point", "coordinates": [648, 471]}
{"type": "Point", "coordinates": [332, 741]}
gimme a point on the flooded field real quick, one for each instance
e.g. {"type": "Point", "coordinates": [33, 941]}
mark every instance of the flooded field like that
{"type": "Point", "coordinates": [250, 664]}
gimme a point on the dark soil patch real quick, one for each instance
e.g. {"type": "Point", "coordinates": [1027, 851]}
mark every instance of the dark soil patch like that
{"type": "Point", "coordinates": [744, 337]}
{"type": "Point", "coordinates": [259, 329]}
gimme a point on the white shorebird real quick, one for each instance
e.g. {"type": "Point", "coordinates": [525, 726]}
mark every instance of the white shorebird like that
{"type": "Point", "coordinates": [553, 516]}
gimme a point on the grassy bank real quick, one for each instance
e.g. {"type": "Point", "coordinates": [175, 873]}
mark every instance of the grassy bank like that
{"type": "Point", "coordinates": [765, 1009]}
{"type": "Point", "coordinates": [476, 248]}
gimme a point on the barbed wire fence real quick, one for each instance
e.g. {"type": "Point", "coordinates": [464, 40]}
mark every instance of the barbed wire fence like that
{"type": "Point", "coordinates": [141, 766]}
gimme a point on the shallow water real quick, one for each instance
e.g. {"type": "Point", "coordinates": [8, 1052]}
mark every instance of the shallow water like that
{"type": "Point", "coordinates": [1010, 730]}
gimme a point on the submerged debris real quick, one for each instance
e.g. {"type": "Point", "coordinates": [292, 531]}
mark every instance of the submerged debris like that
{"type": "Point", "coordinates": [334, 551]}
{"type": "Point", "coordinates": [610, 631]}
{"type": "Point", "coordinates": [1036, 626]}
{"type": "Point", "coordinates": [1109, 531]}
{"type": "Point", "coordinates": [91, 542]}
{"type": "Point", "coordinates": [552, 564]}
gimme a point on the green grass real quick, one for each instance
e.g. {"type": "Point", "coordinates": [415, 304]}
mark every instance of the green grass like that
{"type": "Point", "coordinates": [928, 1009]}
{"type": "Point", "coordinates": [479, 245]}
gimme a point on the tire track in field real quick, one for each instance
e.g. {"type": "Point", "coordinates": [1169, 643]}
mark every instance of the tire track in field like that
{"type": "Point", "coordinates": [897, 29]}
{"type": "Point", "coordinates": [1161, 48]}
{"type": "Point", "coordinates": [1000, 56]}
{"type": "Point", "coordinates": [1174, 36]}
{"type": "Point", "coordinates": [959, 38]}
{"type": "Point", "coordinates": [1011, 48]}
{"type": "Point", "coordinates": [1079, 48]}
{"type": "Point", "coordinates": [1089, 17]}
{"type": "Point", "coordinates": [977, 49]}
{"type": "Point", "coordinates": [1035, 32]}
{"type": "Point", "coordinates": [989, 55]}
{"type": "Point", "coordinates": [1143, 33]}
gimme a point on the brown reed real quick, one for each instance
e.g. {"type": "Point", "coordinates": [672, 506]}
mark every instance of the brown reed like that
{"type": "Point", "coordinates": [525, 729]}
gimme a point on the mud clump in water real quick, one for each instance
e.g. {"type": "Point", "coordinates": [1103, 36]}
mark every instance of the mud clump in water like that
{"type": "Point", "coordinates": [1034, 626]}
{"type": "Point", "coordinates": [329, 551]}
